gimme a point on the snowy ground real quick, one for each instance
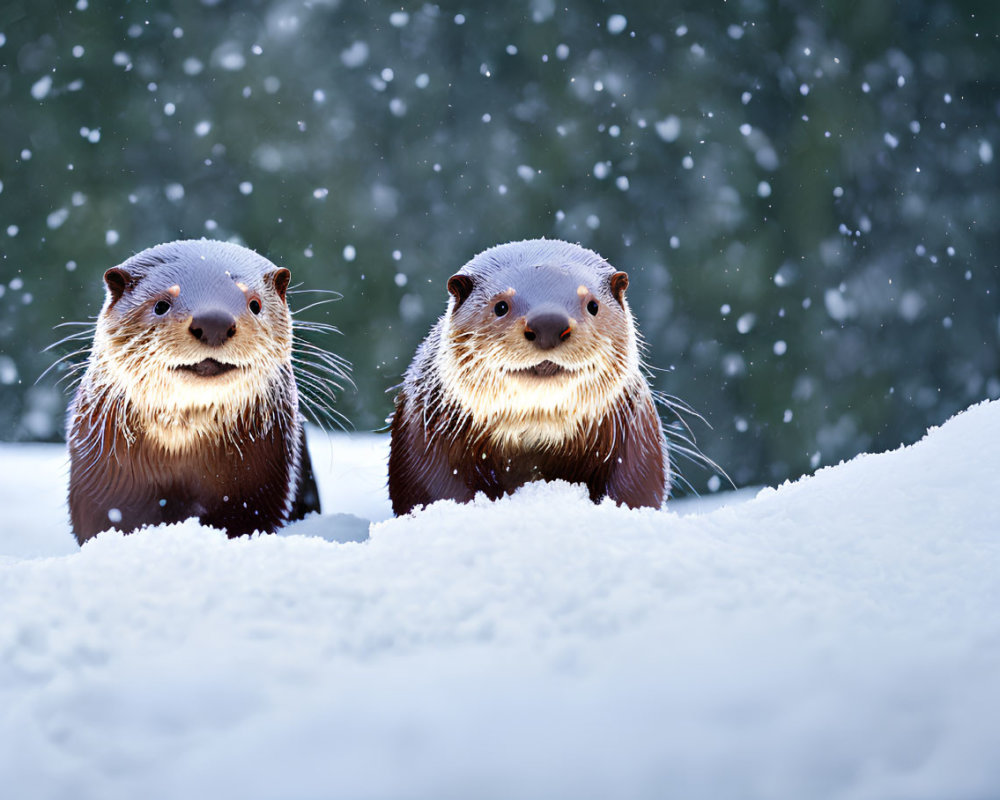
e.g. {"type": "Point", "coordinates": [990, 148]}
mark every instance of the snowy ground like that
{"type": "Point", "coordinates": [835, 637]}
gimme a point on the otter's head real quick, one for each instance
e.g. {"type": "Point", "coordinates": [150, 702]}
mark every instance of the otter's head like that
{"type": "Point", "coordinates": [538, 339]}
{"type": "Point", "coordinates": [193, 328]}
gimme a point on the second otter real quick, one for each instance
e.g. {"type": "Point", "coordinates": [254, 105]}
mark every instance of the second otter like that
{"type": "Point", "coordinates": [532, 373]}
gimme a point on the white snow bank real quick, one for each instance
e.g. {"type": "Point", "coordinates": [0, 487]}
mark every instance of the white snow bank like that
{"type": "Point", "coordinates": [836, 637]}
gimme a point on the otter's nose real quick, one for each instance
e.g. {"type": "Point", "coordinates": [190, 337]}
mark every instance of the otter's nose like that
{"type": "Point", "coordinates": [213, 327]}
{"type": "Point", "coordinates": [547, 329]}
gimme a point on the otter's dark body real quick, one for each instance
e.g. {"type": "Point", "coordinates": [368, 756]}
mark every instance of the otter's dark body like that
{"type": "Point", "coordinates": [472, 413]}
{"type": "Point", "coordinates": [189, 407]}
{"type": "Point", "coordinates": [445, 461]}
{"type": "Point", "coordinates": [136, 484]}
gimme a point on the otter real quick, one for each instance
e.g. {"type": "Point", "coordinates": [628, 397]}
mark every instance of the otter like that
{"type": "Point", "coordinates": [533, 373]}
{"type": "Point", "coordinates": [189, 406]}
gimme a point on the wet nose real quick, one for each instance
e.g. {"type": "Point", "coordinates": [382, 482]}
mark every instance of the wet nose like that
{"type": "Point", "coordinates": [547, 329]}
{"type": "Point", "coordinates": [213, 328]}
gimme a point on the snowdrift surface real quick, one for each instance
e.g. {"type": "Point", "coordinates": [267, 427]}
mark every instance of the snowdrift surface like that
{"type": "Point", "coordinates": [836, 637]}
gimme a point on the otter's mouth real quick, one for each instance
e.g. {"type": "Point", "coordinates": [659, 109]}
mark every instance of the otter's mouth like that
{"type": "Point", "coordinates": [208, 368]}
{"type": "Point", "coordinates": [543, 369]}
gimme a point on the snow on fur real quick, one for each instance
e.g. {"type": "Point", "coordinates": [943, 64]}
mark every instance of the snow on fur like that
{"type": "Point", "coordinates": [834, 637]}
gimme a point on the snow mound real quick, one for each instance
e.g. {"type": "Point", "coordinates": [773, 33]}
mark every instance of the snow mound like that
{"type": "Point", "coordinates": [834, 637]}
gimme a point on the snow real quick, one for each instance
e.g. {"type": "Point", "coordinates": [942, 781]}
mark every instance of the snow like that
{"type": "Point", "coordinates": [833, 637]}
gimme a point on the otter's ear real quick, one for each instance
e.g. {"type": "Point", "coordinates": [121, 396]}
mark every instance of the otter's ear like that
{"type": "Point", "coordinates": [461, 287]}
{"type": "Point", "coordinates": [117, 281]}
{"type": "Point", "coordinates": [281, 277]}
{"type": "Point", "coordinates": [619, 283]}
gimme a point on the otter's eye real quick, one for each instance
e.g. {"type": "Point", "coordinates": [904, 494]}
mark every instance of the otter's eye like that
{"type": "Point", "coordinates": [161, 308]}
{"type": "Point", "coordinates": [501, 308]}
{"type": "Point", "coordinates": [592, 307]}
{"type": "Point", "coordinates": [254, 306]}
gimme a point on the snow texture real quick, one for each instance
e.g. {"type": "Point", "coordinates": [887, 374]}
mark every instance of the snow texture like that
{"type": "Point", "coordinates": [837, 637]}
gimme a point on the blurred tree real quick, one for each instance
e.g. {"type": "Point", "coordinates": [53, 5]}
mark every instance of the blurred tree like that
{"type": "Point", "coordinates": [801, 194]}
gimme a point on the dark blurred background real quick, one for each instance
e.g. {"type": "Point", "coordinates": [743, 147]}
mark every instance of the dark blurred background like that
{"type": "Point", "coordinates": [804, 194]}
